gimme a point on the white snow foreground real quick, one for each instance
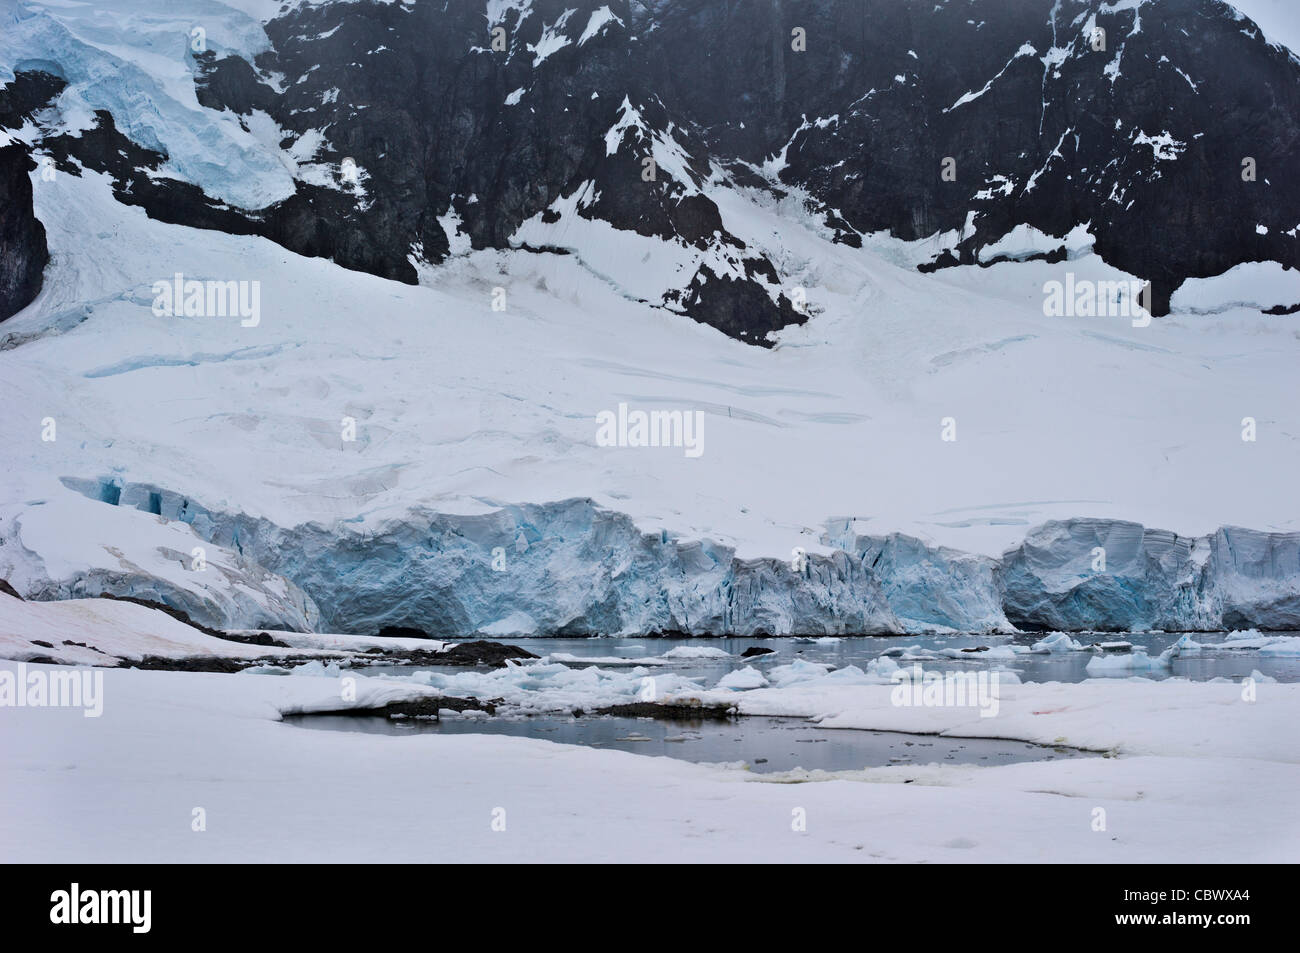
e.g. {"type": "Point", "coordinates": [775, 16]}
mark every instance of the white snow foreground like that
{"type": "Point", "coordinates": [1212, 778]}
{"type": "Point", "coordinates": [107, 632]}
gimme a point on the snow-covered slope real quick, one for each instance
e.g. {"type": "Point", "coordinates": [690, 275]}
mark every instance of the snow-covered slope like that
{"type": "Point", "coordinates": [100, 632]}
{"type": "Point", "coordinates": [432, 454]}
{"type": "Point", "coordinates": [1210, 777]}
{"type": "Point", "coordinates": [462, 411]}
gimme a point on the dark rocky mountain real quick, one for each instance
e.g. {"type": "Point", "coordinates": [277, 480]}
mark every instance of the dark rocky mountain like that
{"type": "Point", "coordinates": [23, 252]}
{"type": "Point", "coordinates": [543, 109]}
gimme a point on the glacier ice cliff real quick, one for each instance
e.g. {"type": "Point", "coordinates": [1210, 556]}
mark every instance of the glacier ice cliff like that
{"type": "Point", "coordinates": [566, 568]}
{"type": "Point", "coordinates": [1151, 578]}
{"type": "Point", "coordinates": [572, 568]}
{"type": "Point", "coordinates": [1108, 575]}
{"type": "Point", "coordinates": [77, 548]}
{"type": "Point", "coordinates": [928, 587]}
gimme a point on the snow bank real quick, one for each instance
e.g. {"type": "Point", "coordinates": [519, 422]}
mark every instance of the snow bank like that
{"type": "Point", "coordinates": [104, 631]}
{"type": "Point", "coordinates": [140, 775]}
{"type": "Point", "coordinates": [1219, 718]}
{"type": "Point", "coordinates": [1253, 284]}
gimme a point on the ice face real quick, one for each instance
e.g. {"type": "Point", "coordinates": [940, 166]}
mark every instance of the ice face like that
{"type": "Point", "coordinates": [77, 547]}
{"type": "Point", "coordinates": [568, 568]}
{"type": "Point", "coordinates": [929, 587]}
{"type": "Point", "coordinates": [1111, 575]}
{"type": "Point", "coordinates": [573, 568]}
{"type": "Point", "coordinates": [1256, 577]}
{"type": "Point", "coordinates": [1108, 575]}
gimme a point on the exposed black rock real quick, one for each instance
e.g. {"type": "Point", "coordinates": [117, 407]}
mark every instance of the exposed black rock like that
{"type": "Point", "coordinates": [424, 707]}
{"type": "Point", "coordinates": [402, 632]}
{"type": "Point", "coordinates": [1142, 138]}
{"type": "Point", "coordinates": [480, 652]}
{"type": "Point", "coordinates": [194, 663]}
{"type": "Point", "coordinates": [668, 711]}
{"type": "Point", "coordinates": [1057, 137]}
{"type": "Point", "coordinates": [261, 638]}
{"type": "Point", "coordinates": [755, 650]}
{"type": "Point", "coordinates": [83, 645]}
{"type": "Point", "coordinates": [214, 663]}
{"type": "Point", "coordinates": [23, 251]}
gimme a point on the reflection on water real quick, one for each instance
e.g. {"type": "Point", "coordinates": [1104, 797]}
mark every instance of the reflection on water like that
{"type": "Point", "coordinates": [860, 650]}
{"type": "Point", "coordinates": [765, 744]}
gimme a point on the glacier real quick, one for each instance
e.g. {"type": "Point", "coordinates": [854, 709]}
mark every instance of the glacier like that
{"type": "Point", "coordinates": [572, 568]}
{"type": "Point", "coordinates": [78, 548]}
{"type": "Point", "coordinates": [475, 428]}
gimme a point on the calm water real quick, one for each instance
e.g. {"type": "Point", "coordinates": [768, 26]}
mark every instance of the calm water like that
{"type": "Point", "coordinates": [764, 744]}
{"type": "Point", "coordinates": [776, 744]}
{"type": "Point", "coordinates": [1066, 667]}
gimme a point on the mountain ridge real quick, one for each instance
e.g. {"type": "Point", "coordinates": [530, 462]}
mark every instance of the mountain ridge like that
{"type": "Point", "coordinates": [378, 107]}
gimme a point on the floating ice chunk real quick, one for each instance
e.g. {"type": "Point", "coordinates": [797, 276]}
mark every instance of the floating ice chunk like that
{"type": "Point", "coordinates": [900, 651]}
{"type": "Point", "coordinates": [1055, 643]}
{"type": "Point", "coordinates": [852, 675]}
{"type": "Point", "coordinates": [1284, 647]}
{"type": "Point", "coordinates": [571, 659]}
{"type": "Point", "coordinates": [551, 685]}
{"type": "Point", "coordinates": [743, 679]}
{"type": "Point", "coordinates": [883, 667]}
{"type": "Point", "coordinates": [1129, 663]}
{"type": "Point", "coordinates": [797, 671]}
{"type": "Point", "coordinates": [695, 651]}
{"type": "Point", "coordinates": [317, 669]}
